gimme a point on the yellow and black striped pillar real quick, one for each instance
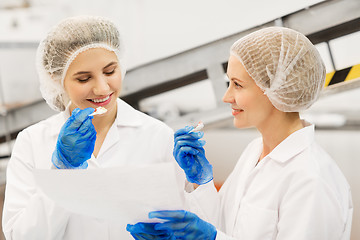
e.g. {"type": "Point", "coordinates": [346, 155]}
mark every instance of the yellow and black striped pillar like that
{"type": "Point", "coordinates": [342, 75]}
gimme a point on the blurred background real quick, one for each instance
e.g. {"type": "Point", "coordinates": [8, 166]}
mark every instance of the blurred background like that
{"type": "Point", "coordinates": [176, 58]}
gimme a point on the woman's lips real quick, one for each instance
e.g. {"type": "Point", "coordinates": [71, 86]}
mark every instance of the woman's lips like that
{"type": "Point", "coordinates": [101, 101]}
{"type": "Point", "coordinates": [236, 111]}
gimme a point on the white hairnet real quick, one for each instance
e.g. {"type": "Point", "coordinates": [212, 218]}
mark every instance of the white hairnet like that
{"type": "Point", "coordinates": [284, 64]}
{"type": "Point", "coordinates": [62, 45]}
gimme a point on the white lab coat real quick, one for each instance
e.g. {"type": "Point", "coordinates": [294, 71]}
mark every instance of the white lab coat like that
{"type": "Point", "coordinates": [134, 138]}
{"type": "Point", "coordinates": [296, 192]}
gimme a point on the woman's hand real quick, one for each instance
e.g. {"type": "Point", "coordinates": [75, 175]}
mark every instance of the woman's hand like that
{"type": "Point", "coordinates": [76, 141]}
{"type": "Point", "coordinates": [178, 224]}
{"type": "Point", "coordinates": [190, 155]}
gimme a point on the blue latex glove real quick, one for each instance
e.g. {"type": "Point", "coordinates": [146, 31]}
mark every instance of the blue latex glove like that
{"type": "Point", "coordinates": [184, 225]}
{"type": "Point", "coordinates": [179, 224]}
{"type": "Point", "coordinates": [76, 141]}
{"type": "Point", "coordinates": [146, 231]}
{"type": "Point", "coordinates": [190, 155]}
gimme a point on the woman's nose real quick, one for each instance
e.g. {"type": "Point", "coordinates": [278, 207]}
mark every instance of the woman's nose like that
{"type": "Point", "coordinates": [228, 98]}
{"type": "Point", "coordinates": [101, 86]}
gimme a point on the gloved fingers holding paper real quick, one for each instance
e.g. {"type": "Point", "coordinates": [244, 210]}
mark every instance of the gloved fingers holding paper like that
{"type": "Point", "coordinates": [177, 224]}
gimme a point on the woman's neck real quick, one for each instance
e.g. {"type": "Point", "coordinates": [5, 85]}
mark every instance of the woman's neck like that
{"type": "Point", "coordinates": [277, 129]}
{"type": "Point", "coordinates": [102, 123]}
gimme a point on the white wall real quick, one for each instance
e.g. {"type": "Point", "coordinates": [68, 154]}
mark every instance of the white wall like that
{"type": "Point", "coordinates": [224, 147]}
{"type": "Point", "coordinates": [18, 77]}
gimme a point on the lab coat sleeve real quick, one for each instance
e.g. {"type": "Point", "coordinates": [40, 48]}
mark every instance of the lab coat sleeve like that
{"type": "Point", "coordinates": [222, 236]}
{"type": "Point", "coordinates": [29, 214]}
{"type": "Point", "coordinates": [310, 210]}
{"type": "Point", "coordinates": [205, 202]}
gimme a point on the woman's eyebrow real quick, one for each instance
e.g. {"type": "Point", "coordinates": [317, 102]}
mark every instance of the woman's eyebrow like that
{"type": "Point", "coordinates": [236, 79]}
{"type": "Point", "coordinates": [87, 72]}
{"type": "Point", "coordinates": [81, 72]}
{"type": "Point", "coordinates": [110, 64]}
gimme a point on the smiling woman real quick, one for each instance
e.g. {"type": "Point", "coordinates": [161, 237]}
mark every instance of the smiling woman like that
{"type": "Point", "coordinates": [250, 106]}
{"type": "Point", "coordinates": [59, 53]}
{"type": "Point", "coordinates": [90, 83]}
{"type": "Point", "coordinates": [284, 185]}
{"type": "Point", "coordinates": [81, 69]}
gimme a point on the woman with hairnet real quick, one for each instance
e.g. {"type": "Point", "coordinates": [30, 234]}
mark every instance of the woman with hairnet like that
{"type": "Point", "coordinates": [80, 65]}
{"type": "Point", "coordinates": [284, 186]}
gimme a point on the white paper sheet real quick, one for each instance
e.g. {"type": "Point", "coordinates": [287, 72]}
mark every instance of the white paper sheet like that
{"type": "Point", "coordinates": [124, 194]}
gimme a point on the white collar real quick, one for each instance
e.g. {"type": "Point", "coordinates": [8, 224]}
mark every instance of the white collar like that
{"type": "Point", "coordinates": [294, 143]}
{"type": "Point", "coordinates": [127, 116]}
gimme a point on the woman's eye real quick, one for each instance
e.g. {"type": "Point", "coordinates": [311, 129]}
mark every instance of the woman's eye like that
{"type": "Point", "coordinates": [83, 79]}
{"type": "Point", "coordinates": [237, 85]}
{"type": "Point", "coordinates": [110, 72]}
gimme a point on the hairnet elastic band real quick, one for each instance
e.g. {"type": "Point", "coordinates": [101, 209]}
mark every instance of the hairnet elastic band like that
{"type": "Point", "coordinates": [82, 49]}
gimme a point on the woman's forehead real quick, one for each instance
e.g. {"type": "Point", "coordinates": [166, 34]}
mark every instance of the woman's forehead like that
{"type": "Point", "coordinates": [95, 57]}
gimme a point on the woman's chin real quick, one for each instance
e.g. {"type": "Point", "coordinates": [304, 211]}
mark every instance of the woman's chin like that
{"type": "Point", "coordinates": [240, 124]}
